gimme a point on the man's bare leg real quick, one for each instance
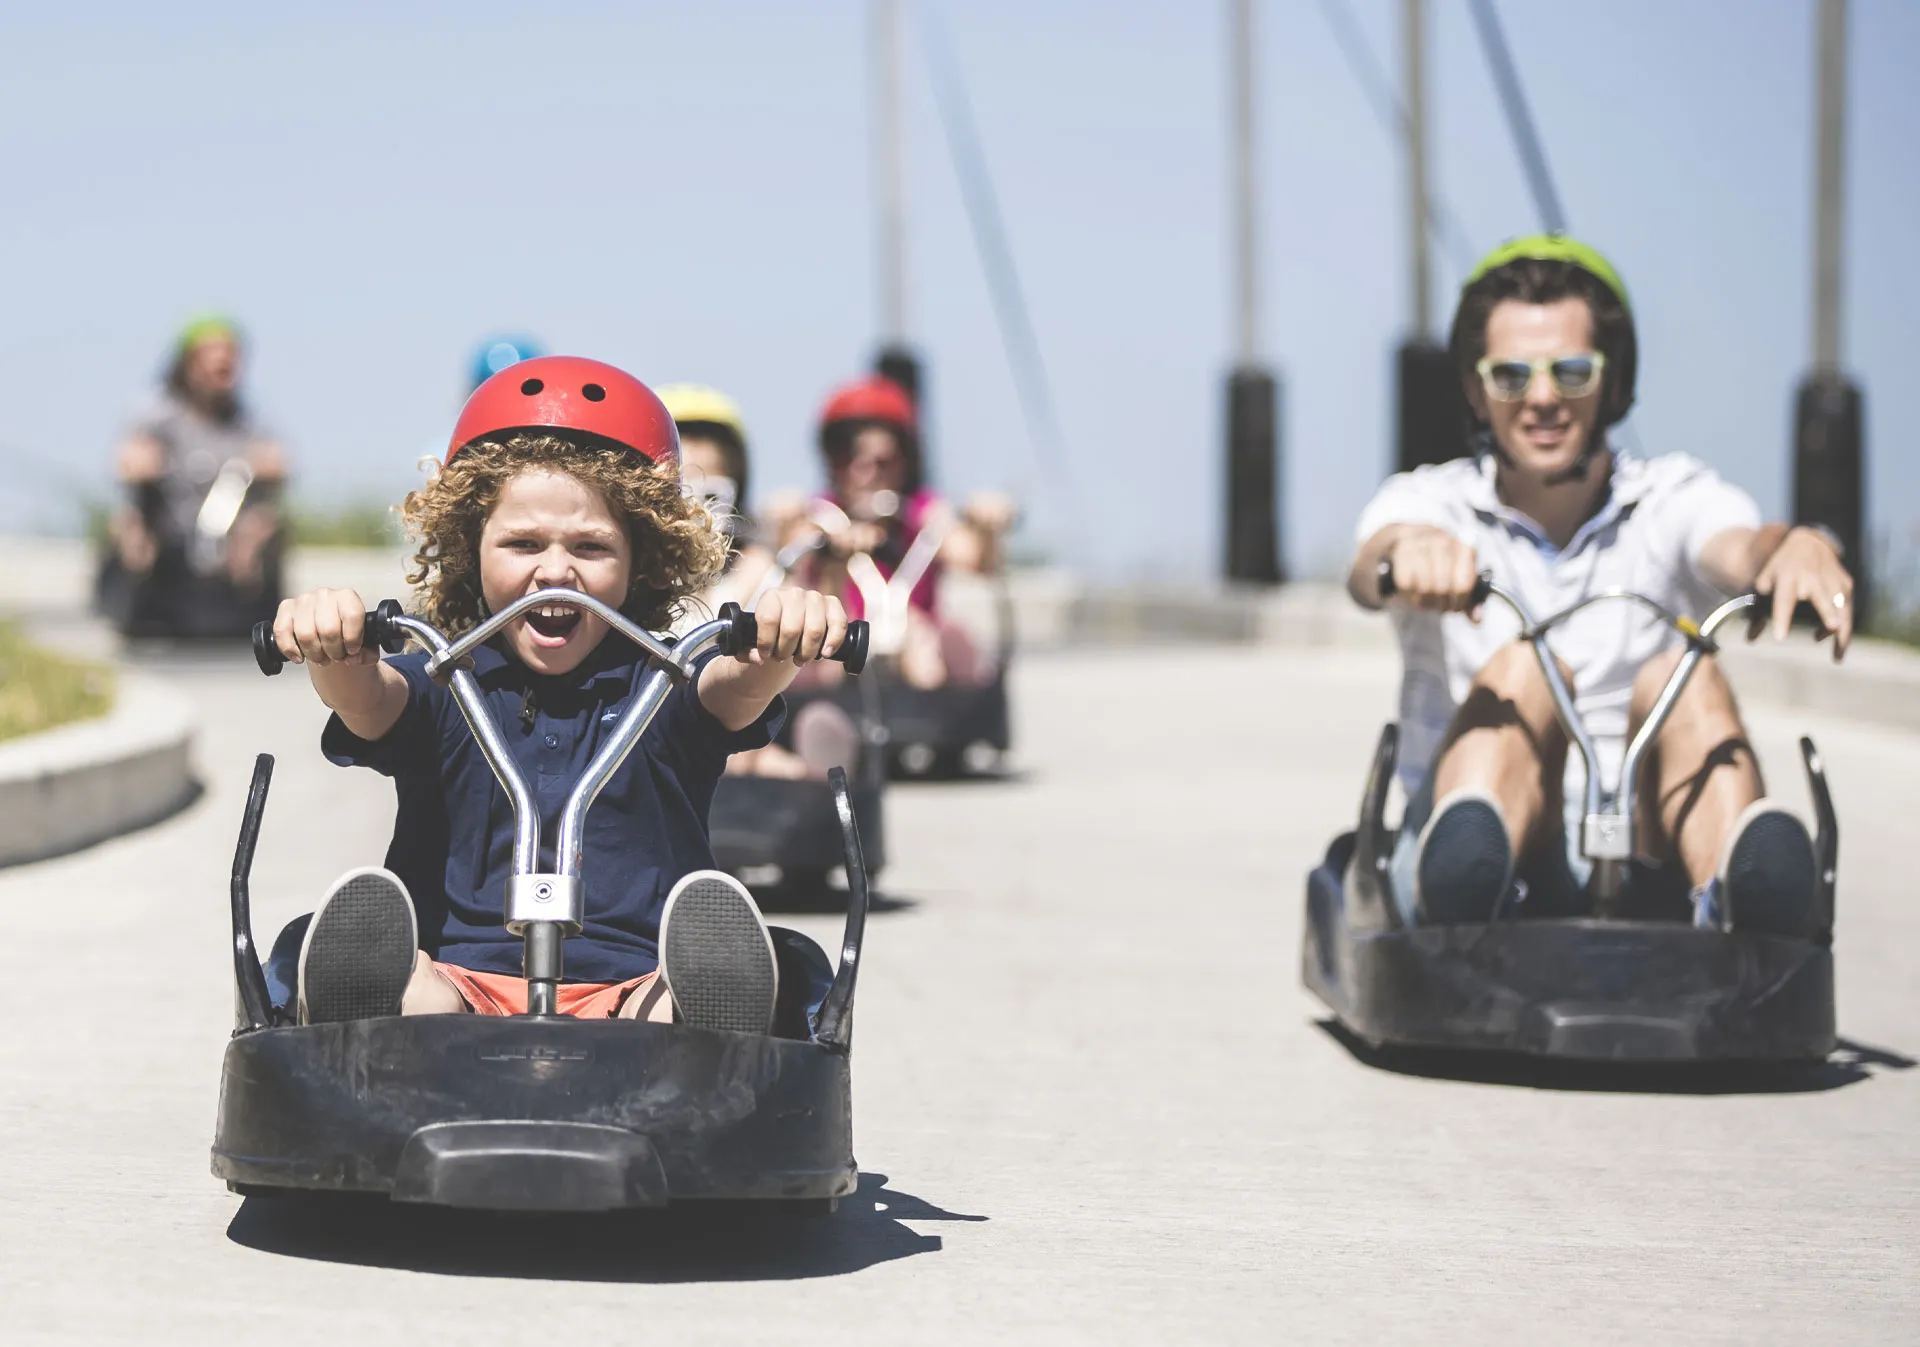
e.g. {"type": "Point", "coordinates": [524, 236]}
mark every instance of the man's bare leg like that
{"type": "Point", "coordinates": [1702, 770]}
{"type": "Point", "coordinates": [1503, 757]}
{"type": "Point", "coordinates": [1749, 860]}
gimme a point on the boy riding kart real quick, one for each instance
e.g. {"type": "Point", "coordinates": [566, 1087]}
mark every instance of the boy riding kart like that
{"type": "Point", "coordinates": [1545, 345]}
{"type": "Point", "coordinates": [561, 474]}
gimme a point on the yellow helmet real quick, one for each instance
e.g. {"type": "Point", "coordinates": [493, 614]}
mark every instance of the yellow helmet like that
{"type": "Point", "coordinates": [697, 402]}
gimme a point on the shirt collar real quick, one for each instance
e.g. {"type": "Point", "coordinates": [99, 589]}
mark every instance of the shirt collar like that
{"type": "Point", "coordinates": [1626, 484]}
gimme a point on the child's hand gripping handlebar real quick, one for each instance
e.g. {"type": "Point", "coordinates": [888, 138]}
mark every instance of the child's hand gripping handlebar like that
{"type": "Point", "coordinates": [380, 631]}
{"type": "Point", "coordinates": [743, 633]}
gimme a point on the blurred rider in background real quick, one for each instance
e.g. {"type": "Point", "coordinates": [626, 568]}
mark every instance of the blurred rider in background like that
{"type": "Point", "coordinates": [714, 467]}
{"type": "Point", "coordinates": [196, 548]}
{"type": "Point", "coordinates": [497, 353]}
{"type": "Point", "coordinates": [881, 516]}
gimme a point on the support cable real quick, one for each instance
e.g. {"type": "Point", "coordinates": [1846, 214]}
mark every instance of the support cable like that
{"type": "Point", "coordinates": [1442, 225]}
{"type": "Point", "coordinates": [1017, 336]}
{"type": "Point", "coordinates": [1513, 101]}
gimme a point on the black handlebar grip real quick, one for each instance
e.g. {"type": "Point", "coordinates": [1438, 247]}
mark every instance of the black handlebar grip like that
{"type": "Point", "coordinates": [379, 631]}
{"type": "Point", "coordinates": [853, 650]}
{"type": "Point", "coordinates": [1482, 585]}
{"type": "Point", "coordinates": [744, 630]}
{"type": "Point", "coordinates": [265, 653]}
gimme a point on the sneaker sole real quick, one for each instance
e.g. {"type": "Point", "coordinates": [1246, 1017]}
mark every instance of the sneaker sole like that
{"type": "Point", "coordinates": [1771, 876]}
{"type": "Point", "coordinates": [1465, 865]}
{"type": "Point", "coordinates": [717, 958]}
{"type": "Point", "coordinates": [359, 952]}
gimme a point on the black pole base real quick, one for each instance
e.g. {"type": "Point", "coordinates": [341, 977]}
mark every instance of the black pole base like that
{"type": "Point", "coordinates": [902, 365]}
{"type": "Point", "coordinates": [1253, 463]}
{"type": "Point", "coordinates": [1432, 420]}
{"type": "Point", "coordinates": [1829, 471]}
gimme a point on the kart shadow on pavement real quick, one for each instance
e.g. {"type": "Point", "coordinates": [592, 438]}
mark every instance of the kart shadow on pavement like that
{"type": "Point", "coordinates": [1849, 1064]}
{"type": "Point", "coordinates": [683, 1244]}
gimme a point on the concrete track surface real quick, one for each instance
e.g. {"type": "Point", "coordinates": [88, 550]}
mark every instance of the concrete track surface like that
{"type": "Point", "coordinates": [1092, 1102]}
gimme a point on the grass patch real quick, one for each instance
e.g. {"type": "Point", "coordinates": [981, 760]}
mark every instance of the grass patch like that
{"type": "Point", "coordinates": [361, 524]}
{"type": "Point", "coordinates": [40, 689]}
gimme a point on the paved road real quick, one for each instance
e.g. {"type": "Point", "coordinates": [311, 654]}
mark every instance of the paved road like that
{"type": "Point", "coordinates": [1092, 1103]}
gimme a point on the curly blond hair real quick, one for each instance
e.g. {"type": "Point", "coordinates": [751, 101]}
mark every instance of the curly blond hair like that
{"type": "Point", "coordinates": [677, 550]}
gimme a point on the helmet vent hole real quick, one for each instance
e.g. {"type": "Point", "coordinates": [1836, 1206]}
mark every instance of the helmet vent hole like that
{"type": "Point", "coordinates": [532, 386]}
{"type": "Point", "coordinates": [593, 393]}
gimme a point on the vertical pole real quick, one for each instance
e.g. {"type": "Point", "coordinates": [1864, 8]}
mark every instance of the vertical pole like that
{"type": "Point", "coordinates": [1246, 278]}
{"type": "Point", "coordinates": [889, 174]}
{"type": "Point", "coordinates": [1413, 55]}
{"type": "Point", "coordinates": [1253, 516]}
{"type": "Point", "coordinates": [1829, 185]}
{"type": "Point", "coordinates": [895, 359]}
{"type": "Point", "coordinates": [1829, 452]}
{"type": "Point", "coordinates": [1430, 409]}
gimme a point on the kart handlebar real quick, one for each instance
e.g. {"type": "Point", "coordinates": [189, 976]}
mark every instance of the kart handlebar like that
{"type": "Point", "coordinates": [1608, 833]}
{"type": "Point", "coordinates": [743, 632]}
{"type": "Point", "coordinates": [381, 631]}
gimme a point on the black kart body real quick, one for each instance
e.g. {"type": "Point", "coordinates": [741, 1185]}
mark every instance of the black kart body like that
{"type": "Point", "coordinates": [927, 732]}
{"type": "Point", "coordinates": [1577, 987]}
{"type": "Point", "coordinates": [173, 601]}
{"type": "Point", "coordinates": [761, 822]}
{"type": "Point", "coordinates": [533, 1112]}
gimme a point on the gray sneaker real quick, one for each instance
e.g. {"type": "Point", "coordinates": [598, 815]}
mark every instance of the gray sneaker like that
{"type": "Point", "coordinates": [1769, 876]}
{"type": "Point", "coordinates": [1465, 861]}
{"type": "Point", "coordinates": [716, 955]}
{"type": "Point", "coordinates": [359, 949]}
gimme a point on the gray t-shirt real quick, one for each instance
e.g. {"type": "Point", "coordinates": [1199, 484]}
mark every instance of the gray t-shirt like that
{"type": "Point", "coordinates": [194, 448]}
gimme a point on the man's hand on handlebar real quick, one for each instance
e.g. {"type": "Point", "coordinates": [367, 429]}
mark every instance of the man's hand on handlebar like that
{"type": "Point", "coordinates": [1805, 568]}
{"type": "Point", "coordinates": [325, 627]}
{"type": "Point", "coordinates": [1433, 571]}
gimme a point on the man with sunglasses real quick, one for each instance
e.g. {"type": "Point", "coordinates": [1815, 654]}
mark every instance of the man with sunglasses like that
{"type": "Point", "coordinates": [1544, 343]}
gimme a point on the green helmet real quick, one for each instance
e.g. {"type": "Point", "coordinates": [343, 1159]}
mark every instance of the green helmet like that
{"type": "Point", "coordinates": [1554, 248]}
{"type": "Point", "coordinates": [203, 326]}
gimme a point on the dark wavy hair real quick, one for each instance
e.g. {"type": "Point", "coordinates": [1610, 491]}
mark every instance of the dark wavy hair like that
{"type": "Point", "coordinates": [1531, 280]}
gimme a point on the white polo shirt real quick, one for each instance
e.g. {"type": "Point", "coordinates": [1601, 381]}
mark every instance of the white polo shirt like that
{"type": "Point", "coordinates": [1659, 516]}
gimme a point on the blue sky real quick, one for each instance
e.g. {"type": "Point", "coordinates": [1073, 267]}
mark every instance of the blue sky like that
{"type": "Point", "coordinates": [683, 189]}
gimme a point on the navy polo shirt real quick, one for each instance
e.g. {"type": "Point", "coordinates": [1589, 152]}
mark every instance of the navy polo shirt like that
{"type": "Point", "coordinates": [453, 828]}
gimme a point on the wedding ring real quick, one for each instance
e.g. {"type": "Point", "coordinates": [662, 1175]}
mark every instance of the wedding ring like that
{"type": "Point", "coordinates": [1839, 600]}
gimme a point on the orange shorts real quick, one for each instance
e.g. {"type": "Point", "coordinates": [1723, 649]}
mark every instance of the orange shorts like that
{"type": "Point", "coordinates": [506, 994]}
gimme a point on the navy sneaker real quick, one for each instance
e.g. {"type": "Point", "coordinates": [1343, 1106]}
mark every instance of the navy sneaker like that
{"type": "Point", "coordinates": [716, 955]}
{"type": "Point", "coordinates": [1465, 861]}
{"type": "Point", "coordinates": [1769, 877]}
{"type": "Point", "coordinates": [359, 948]}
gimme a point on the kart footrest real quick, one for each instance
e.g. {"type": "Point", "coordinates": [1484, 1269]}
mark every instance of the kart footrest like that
{"type": "Point", "coordinates": [529, 1166]}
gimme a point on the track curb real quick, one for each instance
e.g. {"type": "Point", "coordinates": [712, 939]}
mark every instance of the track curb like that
{"type": "Point", "coordinates": [72, 787]}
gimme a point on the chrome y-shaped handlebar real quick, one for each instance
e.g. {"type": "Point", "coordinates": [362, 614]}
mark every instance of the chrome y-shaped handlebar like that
{"type": "Point", "coordinates": [542, 906]}
{"type": "Point", "coordinates": [1607, 831]}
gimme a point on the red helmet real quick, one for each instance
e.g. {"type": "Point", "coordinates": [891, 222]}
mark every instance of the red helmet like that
{"type": "Point", "coordinates": [569, 393]}
{"type": "Point", "coordinates": [871, 399]}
